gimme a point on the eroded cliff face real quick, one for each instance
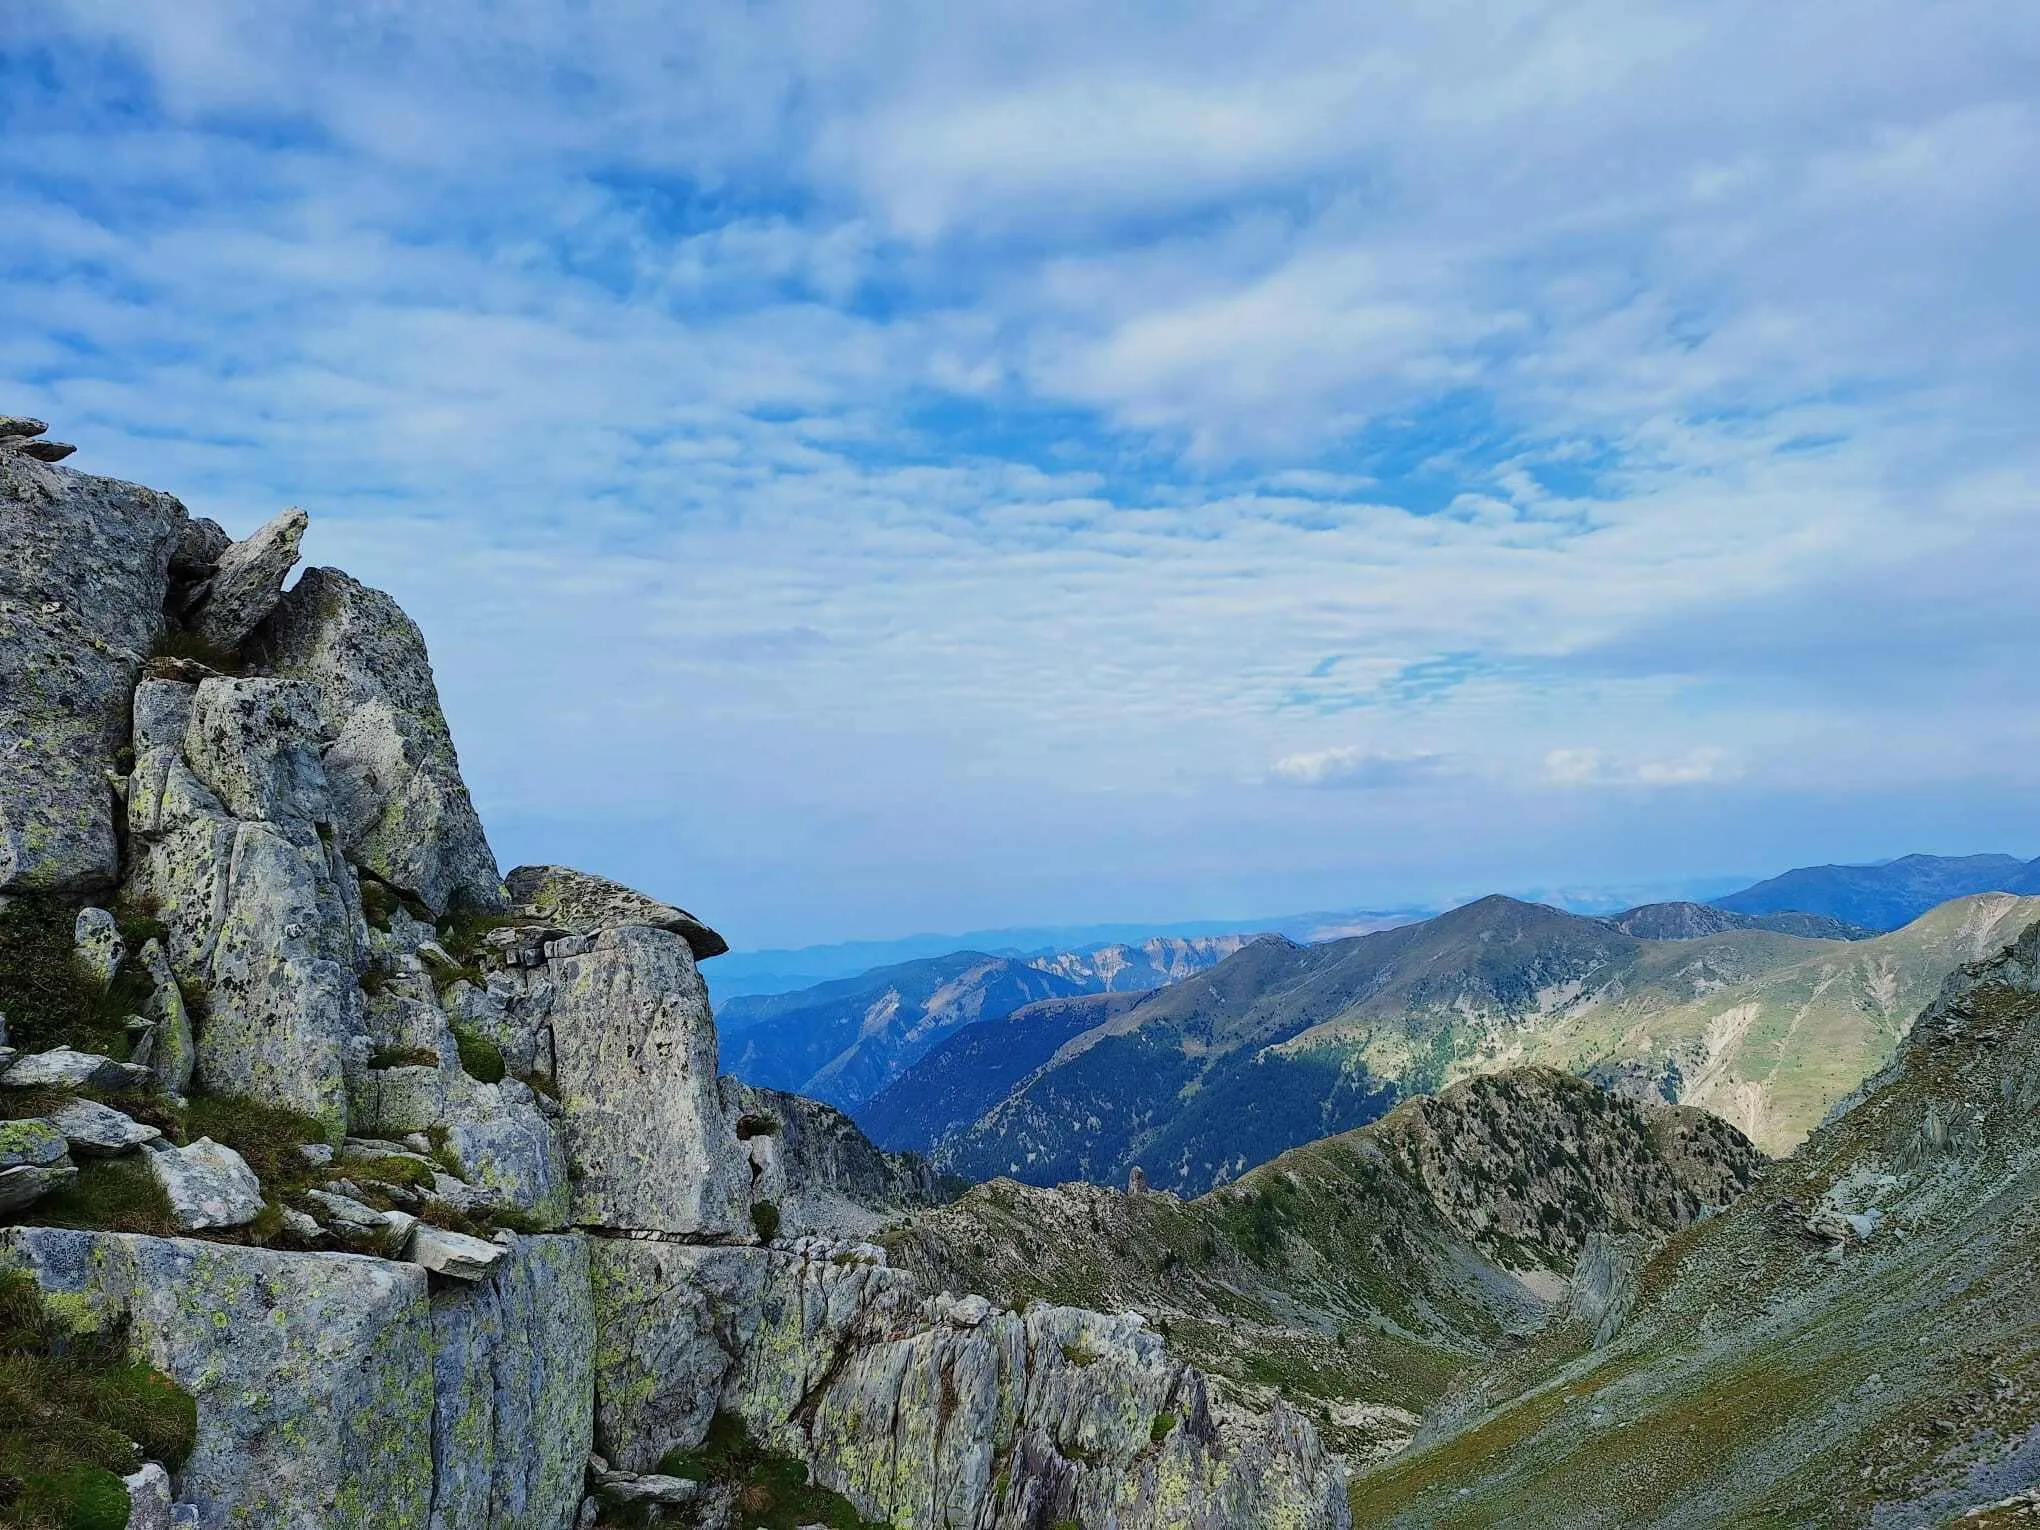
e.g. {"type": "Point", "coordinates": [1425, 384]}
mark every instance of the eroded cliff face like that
{"type": "Point", "coordinates": [491, 1205]}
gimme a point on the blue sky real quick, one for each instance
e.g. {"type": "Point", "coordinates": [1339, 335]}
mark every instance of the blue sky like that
{"type": "Point", "coordinates": [868, 468]}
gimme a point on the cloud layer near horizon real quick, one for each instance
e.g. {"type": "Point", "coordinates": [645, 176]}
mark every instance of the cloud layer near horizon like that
{"type": "Point", "coordinates": [865, 468]}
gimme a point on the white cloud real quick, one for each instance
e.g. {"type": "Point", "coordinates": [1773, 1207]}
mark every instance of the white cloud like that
{"type": "Point", "coordinates": [1350, 766]}
{"type": "Point", "coordinates": [1008, 409]}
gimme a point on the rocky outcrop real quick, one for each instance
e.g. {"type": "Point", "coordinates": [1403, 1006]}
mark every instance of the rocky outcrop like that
{"type": "Point", "coordinates": [247, 581]}
{"type": "Point", "coordinates": [402, 809]}
{"type": "Point", "coordinates": [513, 1391]}
{"type": "Point", "coordinates": [230, 818]}
{"type": "Point", "coordinates": [84, 566]}
{"type": "Point", "coordinates": [633, 1051]}
{"type": "Point", "coordinates": [337, 1392]}
{"type": "Point", "coordinates": [811, 1162]}
{"type": "Point", "coordinates": [293, 816]}
{"type": "Point", "coordinates": [581, 903]}
{"type": "Point", "coordinates": [935, 1413]}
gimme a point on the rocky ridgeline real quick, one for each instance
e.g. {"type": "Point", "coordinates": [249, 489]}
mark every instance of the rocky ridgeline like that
{"type": "Point", "coordinates": [497, 1242]}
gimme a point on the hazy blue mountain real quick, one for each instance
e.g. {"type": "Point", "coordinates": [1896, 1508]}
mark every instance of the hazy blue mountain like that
{"type": "Point", "coordinates": [1695, 921]}
{"type": "Point", "coordinates": [1887, 895]}
{"type": "Point", "coordinates": [979, 1066]}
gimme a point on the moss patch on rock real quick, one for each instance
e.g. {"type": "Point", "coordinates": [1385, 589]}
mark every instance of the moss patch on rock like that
{"type": "Point", "coordinates": [75, 1416]}
{"type": "Point", "coordinates": [773, 1490]}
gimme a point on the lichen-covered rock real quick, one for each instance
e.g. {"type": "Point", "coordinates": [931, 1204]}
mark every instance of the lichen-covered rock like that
{"type": "Point", "coordinates": [96, 939]}
{"type": "Point", "coordinates": [33, 1142]}
{"type": "Point", "coordinates": [172, 1052]}
{"type": "Point", "coordinates": [149, 1501]}
{"type": "Point", "coordinates": [84, 568]}
{"type": "Point", "coordinates": [247, 581]}
{"type": "Point", "coordinates": [22, 1185]}
{"type": "Point", "coordinates": [585, 904]}
{"type": "Point", "coordinates": [404, 811]}
{"type": "Point", "coordinates": [512, 1361]}
{"type": "Point", "coordinates": [454, 1255]}
{"type": "Point", "coordinates": [229, 823]}
{"type": "Point", "coordinates": [935, 1412]}
{"type": "Point", "coordinates": [64, 1068]}
{"type": "Point", "coordinates": [634, 1051]}
{"type": "Point", "coordinates": [311, 1371]}
{"type": "Point", "coordinates": [207, 1184]}
{"type": "Point", "coordinates": [823, 1174]}
{"type": "Point", "coordinates": [99, 1131]}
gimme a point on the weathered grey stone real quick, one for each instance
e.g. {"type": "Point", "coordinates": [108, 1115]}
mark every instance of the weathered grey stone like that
{"type": "Point", "coordinates": [84, 566]}
{"type": "Point", "coordinates": [173, 1053]}
{"type": "Point", "coordinates": [634, 1050]}
{"type": "Point", "coordinates": [512, 1357]}
{"type": "Point", "coordinates": [585, 904]}
{"type": "Point", "coordinates": [96, 939]}
{"type": "Point", "coordinates": [24, 1184]}
{"type": "Point", "coordinates": [99, 1131]}
{"type": "Point", "coordinates": [932, 1413]}
{"type": "Point", "coordinates": [148, 1498]}
{"type": "Point", "coordinates": [208, 1184]}
{"type": "Point", "coordinates": [62, 1068]}
{"type": "Point", "coordinates": [35, 1143]}
{"type": "Point", "coordinates": [452, 1254]}
{"type": "Point", "coordinates": [622, 1488]}
{"type": "Point", "coordinates": [43, 451]}
{"type": "Point", "coordinates": [264, 915]}
{"type": "Point", "coordinates": [18, 426]}
{"type": "Point", "coordinates": [301, 1226]}
{"type": "Point", "coordinates": [312, 1371]}
{"type": "Point", "coordinates": [403, 809]}
{"type": "Point", "coordinates": [247, 581]}
{"type": "Point", "coordinates": [488, 1015]}
{"type": "Point", "coordinates": [811, 1161]}
{"type": "Point", "coordinates": [199, 547]}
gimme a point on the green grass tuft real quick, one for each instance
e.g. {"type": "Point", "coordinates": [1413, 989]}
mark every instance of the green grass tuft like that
{"type": "Point", "coordinates": [765, 1219]}
{"type": "Point", "coordinates": [49, 999]}
{"type": "Point", "coordinates": [480, 1057]}
{"type": "Point", "coordinates": [774, 1491]}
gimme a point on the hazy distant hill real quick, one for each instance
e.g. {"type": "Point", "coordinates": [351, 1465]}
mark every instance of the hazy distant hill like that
{"type": "Point", "coordinates": [1284, 1043]}
{"type": "Point", "coordinates": [1281, 1043]}
{"type": "Point", "coordinates": [844, 1041]}
{"type": "Point", "coordinates": [1693, 921]}
{"type": "Point", "coordinates": [1886, 895]}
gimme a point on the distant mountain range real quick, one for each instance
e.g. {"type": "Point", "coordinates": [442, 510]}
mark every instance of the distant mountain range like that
{"type": "Point", "coordinates": [844, 1041]}
{"type": "Point", "coordinates": [1281, 1044]}
{"type": "Point", "coordinates": [1889, 894]}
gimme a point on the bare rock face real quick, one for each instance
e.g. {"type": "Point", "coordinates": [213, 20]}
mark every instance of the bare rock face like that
{"type": "Point", "coordinates": [812, 1163]}
{"type": "Point", "coordinates": [84, 567]}
{"type": "Point", "coordinates": [635, 1065]}
{"type": "Point", "coordinates": [247, 581]}
{"type": "Point", "coordinates": [584, 903]}
{"type": "Point", "coordinates": [403, 810]}
{"type": "Point", "coordinates": [936, 1413]}
{"type": "Point", "coordinates": [229, 829]}
{"type": "Point", "coordinates": [208, 1185]}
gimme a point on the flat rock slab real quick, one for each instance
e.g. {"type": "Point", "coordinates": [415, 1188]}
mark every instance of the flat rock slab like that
{"type": "Point", "coordinates": [100, 1131]}
{"type": "Point", "coordinates": [65, 1069]}
{"type": "Point", "coordinates": [452, 1254]}
{"type": "Point", "coordinates": [584, 903]}
{"type": "Point", "coordinates": [247, 581]}
{"type": "Point", "coordinates": [209, 1185]}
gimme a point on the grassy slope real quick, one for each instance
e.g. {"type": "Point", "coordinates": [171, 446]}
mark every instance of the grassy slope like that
{"type": "Point", "coordinates": [1359, 1274]}
{"type": "Point", "coordinates": [1761, 1383]}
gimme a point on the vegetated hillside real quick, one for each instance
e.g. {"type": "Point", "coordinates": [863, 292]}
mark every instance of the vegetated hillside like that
{"type": "Point", "coordinates": [844, 1041]}
{"type": "Point", "coordinates": [979, 1066]}
{"type": "Point", "coordinates": [1887, 895]}
{"type": "Point", "coordinates": [1692, 921]}
{"type": "Point", "coordinates": [1854, 1342]}
{"type": "Point", "coordinates": [1359, 1274]}
{"type": "Point", "coordinates": [1282, 1044]}
{"type": "Point", "coordinates": [1774, 1053]}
